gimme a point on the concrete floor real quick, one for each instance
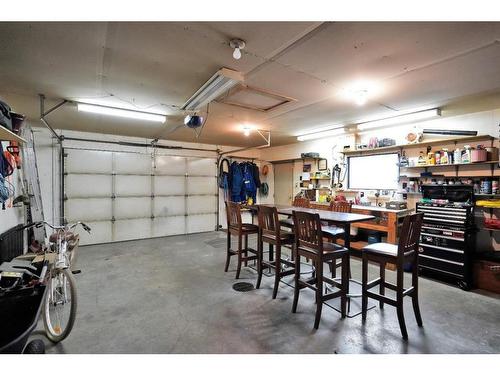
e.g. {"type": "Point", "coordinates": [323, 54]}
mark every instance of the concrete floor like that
{"type": "Point", "coordinates": [171, 295]}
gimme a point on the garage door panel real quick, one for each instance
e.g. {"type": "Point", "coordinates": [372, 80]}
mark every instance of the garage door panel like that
{"type": "Point", "coordinates": [200, 185]}
{"type": "Point", "coordinates": [132, 229]}
{"type": "Point", "coordinates": [170, 165]}
{"type": "Point", "coordinates": [200, 223]}
{"type": "Point", "coordinates": [87, 186]}
{"type": "Point", "coordinates": [169, 206]}
{"type": "Point", "coordinates": [101, 232]}
{"type": "Point", "coordinates": [133, 186]}
{"type": "Point", "coordinates": [131, 163]}
{"type": "Point", "coordinates": [166, 185]}
{"type": "Point", "coordinates": [201, 204]}
{"type": "Point", "coordinates": [129, 208]}
{"type": "Point", "coordinates": [201, 167]}
{"type": "Point", "coordinates": [169, 226]}
{"type": "Point", "coordinates": [88, 161]}
{"type": "Point", "coordinates": [88, 209]}
{"type": "Point", "coordinates": [181, 204]}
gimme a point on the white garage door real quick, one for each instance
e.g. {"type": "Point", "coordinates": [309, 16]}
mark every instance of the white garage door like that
{"type": "Point", "coordinates": [128, 195]}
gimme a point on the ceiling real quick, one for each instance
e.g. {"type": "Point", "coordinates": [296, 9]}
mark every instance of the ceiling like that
{"type": "Point", "coordinates": [157, 66]}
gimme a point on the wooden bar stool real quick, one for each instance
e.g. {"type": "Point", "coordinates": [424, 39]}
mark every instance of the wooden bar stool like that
{"type": "Point", "coordinates": [242, 231]}
{"type": "Point", "coordinates": [332, 232]}
{"type": "Point", "coordinates": [271, 233]}
{"type": "Point", "coordinates": [297, 202]}
{"type": "Point", "coordinates": [309, 243]}
{"type": "Point", "coordinates": [405, 252]}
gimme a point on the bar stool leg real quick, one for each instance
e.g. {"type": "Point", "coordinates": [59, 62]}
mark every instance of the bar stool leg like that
{"type": "Point", "coordinates": [260, 246]}
{"type": "Point", "coordinates": [382, 286]}
{"type": "Point", "coordinates": [228, 255]}
{"type": "Point", "coordinates": [277, 270]}
{"type": "Point", "coordinates": [240, 252]}
{"type": "Point", "coordinates": [345, 283]}
{"type": "Point", "coordinates": [364, 283]}
{"type": "Point", "coordinates": [246, 249]}
{"type": "Point", "coordinates": [399, 302]}
{"type": "Point", "coordinates": [319, 292]}
{"type": "Point", "coordinates": [414, 296]}
{"type": "Point", "coordinates": [297, 288]}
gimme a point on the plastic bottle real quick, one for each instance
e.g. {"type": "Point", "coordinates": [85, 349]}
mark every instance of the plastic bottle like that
{"type": "Point", "coordinates": [457, 156]}
{"type": "Point", "coordinates": [466, 155]}
{"type": "Point", "coordinates": [444, 157]}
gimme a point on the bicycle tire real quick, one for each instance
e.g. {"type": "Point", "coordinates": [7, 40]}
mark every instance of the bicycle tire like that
{"type": "Point", "coordinates": [49, 331]}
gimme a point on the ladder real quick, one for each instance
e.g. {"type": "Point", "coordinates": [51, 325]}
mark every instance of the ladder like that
{"type": "Point", "coordinates": [31, 184]}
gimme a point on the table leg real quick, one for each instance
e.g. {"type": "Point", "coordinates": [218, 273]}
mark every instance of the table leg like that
{"type": "Point", "coordinates": [347, 245]}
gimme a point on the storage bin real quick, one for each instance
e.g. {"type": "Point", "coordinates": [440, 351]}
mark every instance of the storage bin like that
{"type": "Point", "coordinates": [478, 155]}
{"type": "Point", "coordinates": [11, 243]}
{"type": "Point", "coordinates": [487, 275]}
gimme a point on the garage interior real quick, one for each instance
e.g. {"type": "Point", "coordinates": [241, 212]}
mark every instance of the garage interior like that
{"type": "Point", "coordinates": [166, 138]}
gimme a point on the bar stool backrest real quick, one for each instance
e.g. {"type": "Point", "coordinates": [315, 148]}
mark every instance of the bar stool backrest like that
{"type": "Point", "coordinates": [301, 202]}
{"type": "Point", "coordinates": [341, 206]}
{"type": "Point", "coordinates": [233, 212]}
{"type": "Point", "coordinates": [269, 223]}
{"type": "Point", "coordinates": [409, 237]}
{"type": "Point", "coordinates": [308, 234]}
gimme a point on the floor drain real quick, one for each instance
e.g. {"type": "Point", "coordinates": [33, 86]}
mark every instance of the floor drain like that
{"type": "Point", "coordinates": [243, 287]}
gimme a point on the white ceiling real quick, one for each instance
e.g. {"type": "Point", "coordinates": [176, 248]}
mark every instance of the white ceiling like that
{"type": "Point", "coordinates": [157, 66]}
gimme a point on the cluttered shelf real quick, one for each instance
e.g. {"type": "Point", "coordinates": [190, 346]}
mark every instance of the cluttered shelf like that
{"type": "Point", "coordinates": [450, 165]}
{"type": "Point", "coordinates": [444, 141]}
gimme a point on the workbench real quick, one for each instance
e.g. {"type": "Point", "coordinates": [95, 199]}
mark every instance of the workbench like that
{"type": "Point", "coordinates": [386, 221]}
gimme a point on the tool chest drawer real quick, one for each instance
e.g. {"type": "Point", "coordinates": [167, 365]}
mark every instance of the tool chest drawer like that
{"type": "Point", "coordinates": [443, 253]}
{"type": "Point", "coordinates": [452, 268]}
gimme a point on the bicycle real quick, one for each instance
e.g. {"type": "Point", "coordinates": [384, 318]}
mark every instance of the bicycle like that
{"type": "Point", "coordinates": [61, 294]}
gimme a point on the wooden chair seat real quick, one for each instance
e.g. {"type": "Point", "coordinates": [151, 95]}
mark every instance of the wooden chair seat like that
{"type": "Point", "coordinates": [284, 237]}
{"type": "Point", "coordinates": [382, 248]}
{"type": "Point", "coordinates": [332, 231]}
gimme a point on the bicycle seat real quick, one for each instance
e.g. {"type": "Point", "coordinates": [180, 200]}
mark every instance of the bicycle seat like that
{"type": "Point", "coordinates": [69, 237]}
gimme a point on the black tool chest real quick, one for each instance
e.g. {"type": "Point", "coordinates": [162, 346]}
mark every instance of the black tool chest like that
{"type": "Point", "coordinates": [447, 235]}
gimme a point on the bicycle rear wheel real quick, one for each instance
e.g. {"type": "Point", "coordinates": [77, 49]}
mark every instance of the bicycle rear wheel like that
{"type": "Point", "coordinates": [59, 310]}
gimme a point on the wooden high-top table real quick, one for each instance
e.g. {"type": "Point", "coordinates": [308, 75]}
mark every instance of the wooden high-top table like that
{"type": "Point", "coordinates": [340, 219]}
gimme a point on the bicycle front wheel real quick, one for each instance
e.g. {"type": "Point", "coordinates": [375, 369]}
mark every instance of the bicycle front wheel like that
{"type": "Point", "coordinates": [59, 310]}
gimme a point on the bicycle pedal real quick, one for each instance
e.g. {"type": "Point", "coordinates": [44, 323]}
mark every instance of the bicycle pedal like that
{"type": "Point", "coordinates": [75, 272]}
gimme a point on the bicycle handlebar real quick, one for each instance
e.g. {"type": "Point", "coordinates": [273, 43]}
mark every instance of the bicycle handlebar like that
{"type": "Point", "coordinates": [39, 224]}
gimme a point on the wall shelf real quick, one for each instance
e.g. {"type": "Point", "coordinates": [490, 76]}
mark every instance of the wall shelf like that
{"type": "Point", "coordinates": [450, 165]}
{"type": "Point", "coordinates": [442, 141]}
{"type": "Point", "coordinates": [7, 135]}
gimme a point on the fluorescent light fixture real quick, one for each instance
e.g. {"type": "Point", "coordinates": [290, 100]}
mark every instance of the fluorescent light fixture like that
{"type": "Point", "coordinates": [402, 119]}
{"type": "Point", "coordinates": [321, 134]}
{"type": "Point", "coordinates": [120, 112]}
{"type": "Point", "coordinates": [218, 84]}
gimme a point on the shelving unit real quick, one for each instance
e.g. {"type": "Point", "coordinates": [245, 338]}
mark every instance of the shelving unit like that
{"type": "Point", "coordinates": [7, 135]}
{"type": "Point", "coordinates": [450, 165]}
{"type": "Point", "coordinates": [433, 142]}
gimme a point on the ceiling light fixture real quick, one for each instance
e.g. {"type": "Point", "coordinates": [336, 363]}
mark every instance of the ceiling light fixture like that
{"type": "Point", "coordinates": [120, 112]}
{"type": "Point", "coordinates": [321, 134]}
{"type": "Point", "coordinates": [246, 131]}
{"type": "Point", "coordinates": [399, 120]}
{"type": "Point", "coordinates": [361, 97]}
{"type": "Point", "coordinates": [218, 84]}
{"type": "Point", "coordinates": [238, 45]}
